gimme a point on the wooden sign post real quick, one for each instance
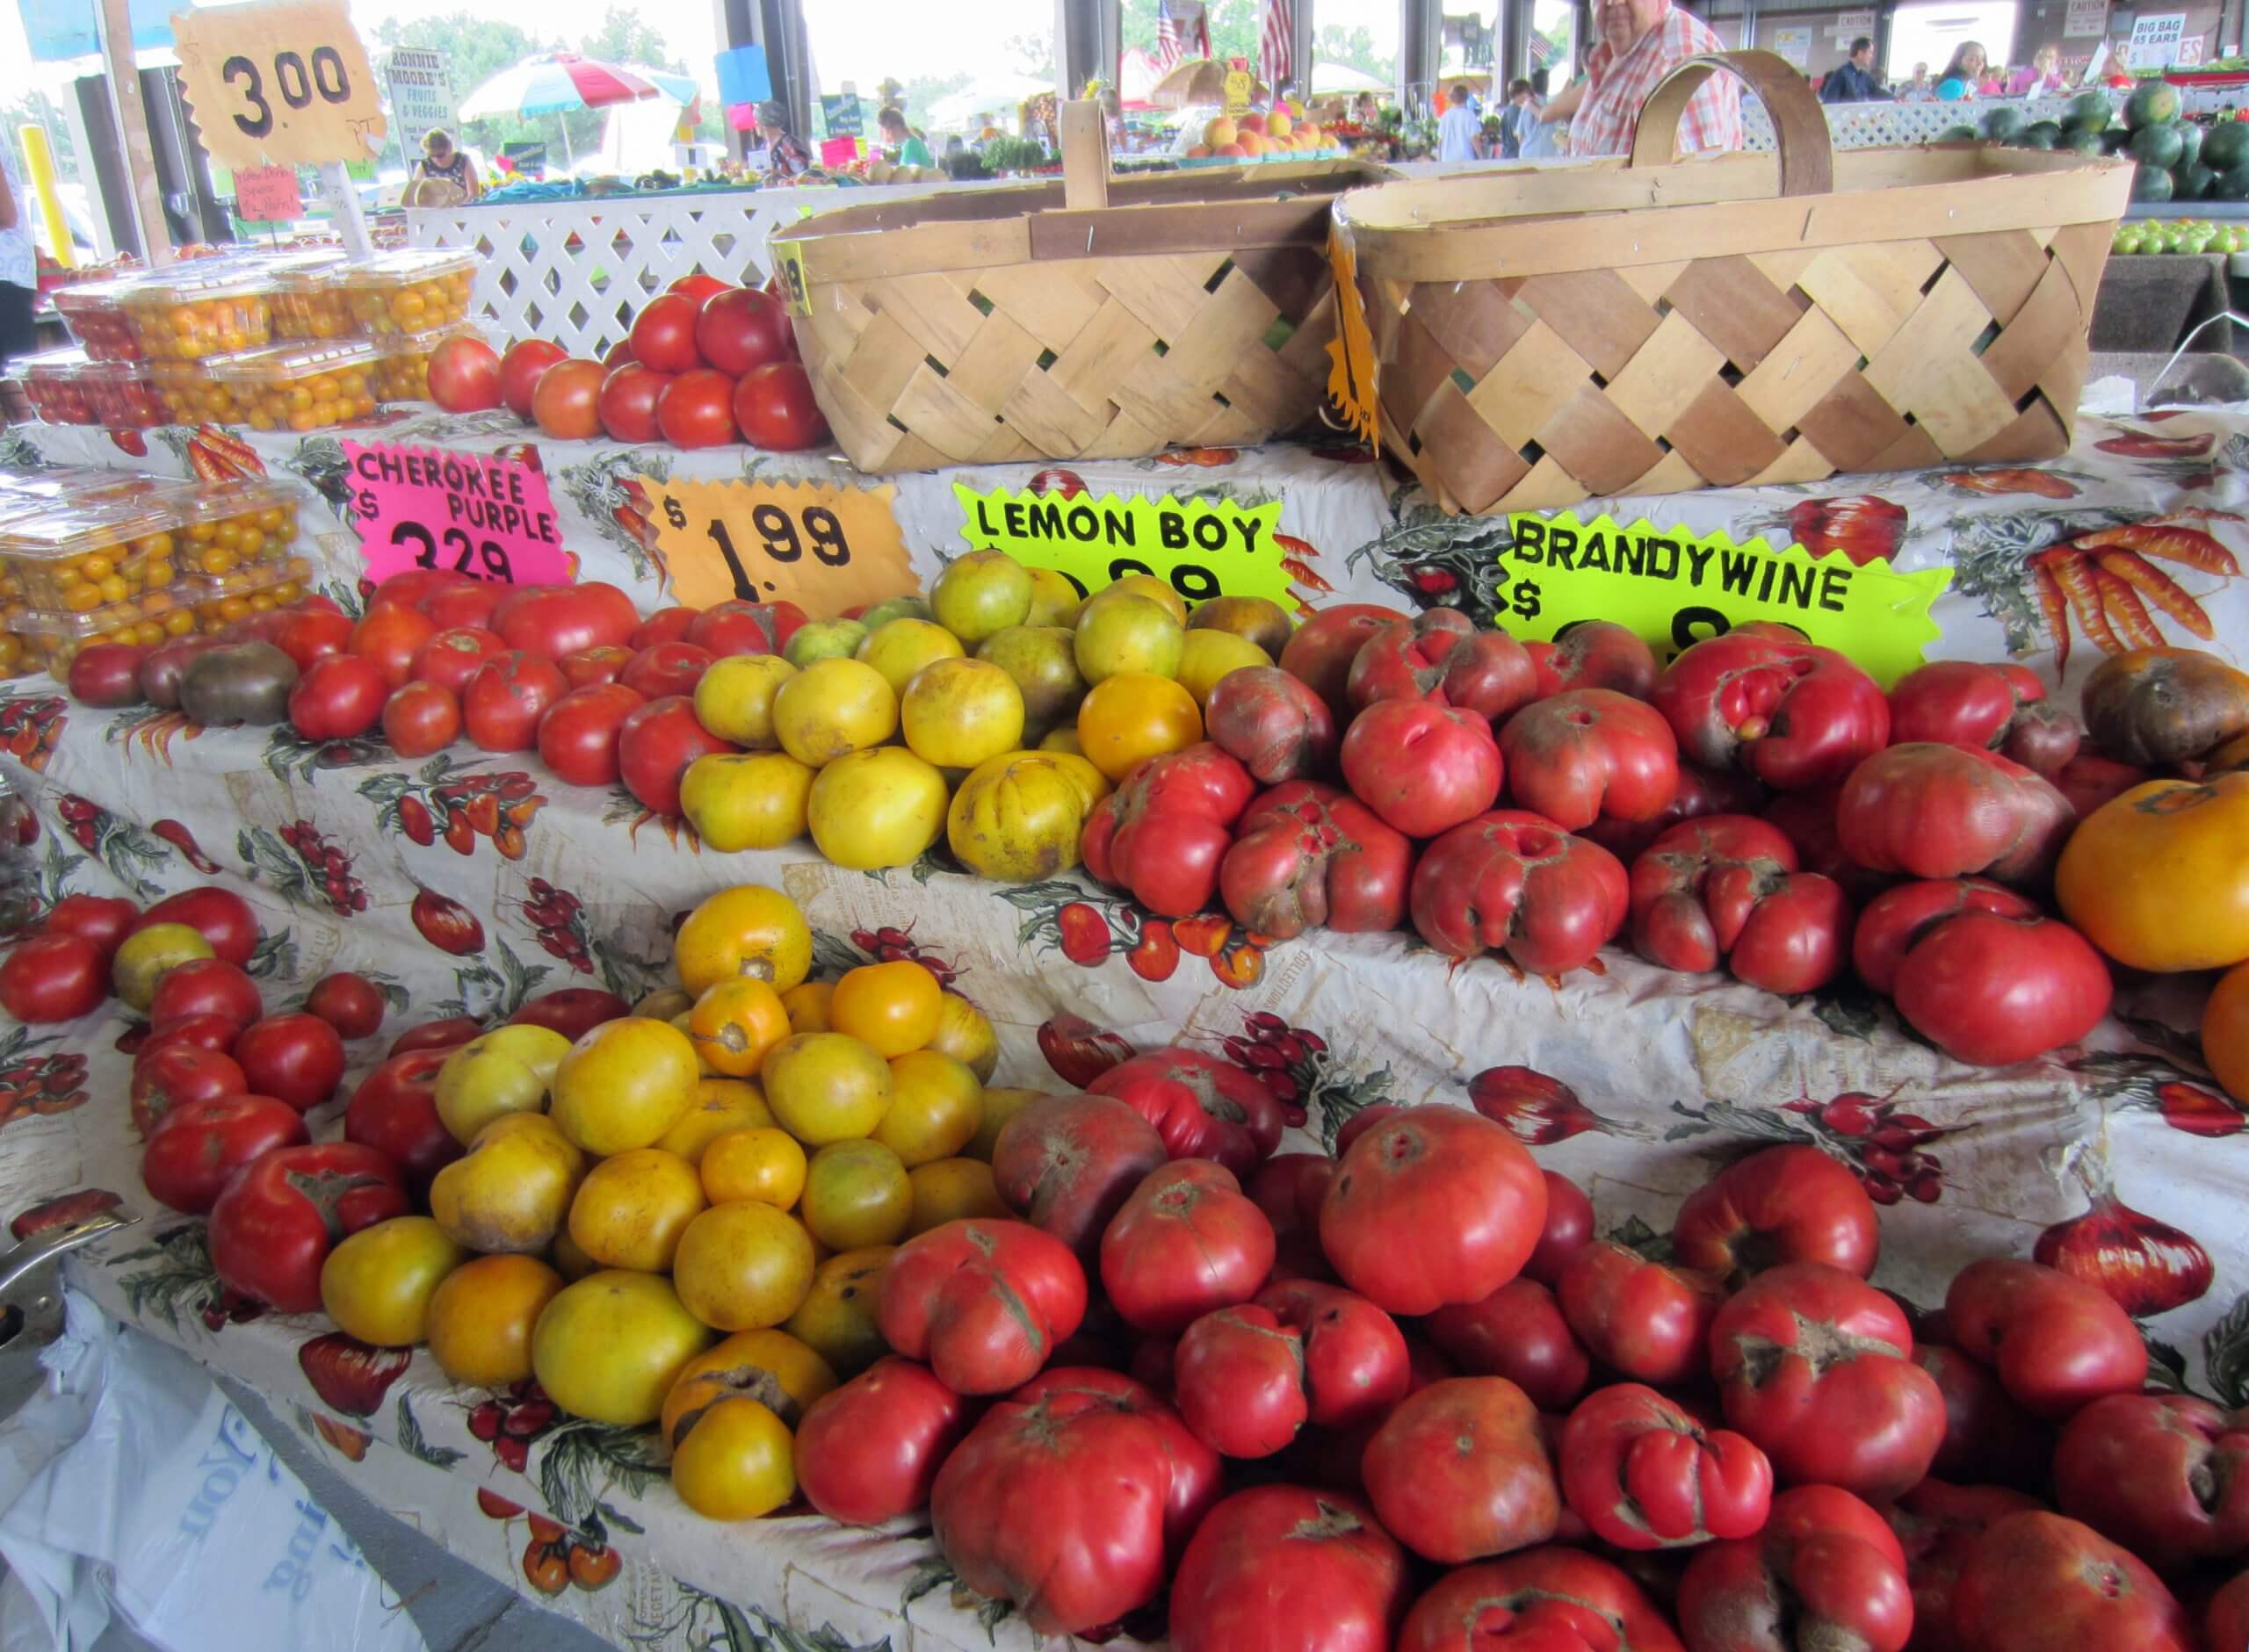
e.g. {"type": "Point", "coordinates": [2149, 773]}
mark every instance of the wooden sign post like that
{"type": "Point", "coordinates": [115, 18]}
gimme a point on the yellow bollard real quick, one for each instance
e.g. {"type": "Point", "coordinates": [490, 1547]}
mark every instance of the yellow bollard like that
{"type": "Point", "coordinates": [39, 161]}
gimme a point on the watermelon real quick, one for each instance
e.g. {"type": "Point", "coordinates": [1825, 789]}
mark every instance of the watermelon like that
{"type": "Point", "coordinates": [2225, 146]}
{"type": "Point", "coordinates": [2002, 123]}
{"type": "Point", "coordinates": [2191, 182]}
{"type": "Point", "coordinates": [2150, 184]}
{"type": "Point", "coordinates": [2084, 142]}
{"type": "Point", "coordinates": [2190, 142]}
{"type": "Point", "coordinates": [2232, 186]}
{"type": "Point", "coordinates": [1957, 134]}
{"type": "Point", "coordinates": [2159, 147]}
{"type": "Point", "coordinates": [2152, 103]}
{"type": "Point", "coordinates": [2090, 109]}
{"type": "Point", "coordinates": [2040, 135]}
{"type": "Point", "coordinates": [2115, 140]}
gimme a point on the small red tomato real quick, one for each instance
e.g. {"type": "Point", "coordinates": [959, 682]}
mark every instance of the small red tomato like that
{"type": "Point", "coordinates": [339, 698]}
{"type": "Point", "coordinates": [464, 375]}
{"type": "Point", "coordinates": [590, 665]}
{"type": "Point", "coordinates": [55, 978]}
{"type": "Point", "coordinates": [663, 334]}
{"type": "Point", "coordinates": [391, 637]}
{"type": "Point", "coordinates": [349, 1003]}
{"type": "Point", "coordinates": [468, 604]}
{"type": "Point", "coordinates": [506, 698]}
{"type": "Point", "coordinates": [774, 405]}
{"type": "Point", "coordinates": [197, 1145]}
{"type": "Point", "coordinates": [578, 735]}
{"type": "Point", "coordinates": [565, 402]}
{"type": "Point", "coordinates": [451, 657]}
{"type": "Point", "coordinates": [520, 370]}
{"type": "Point", "coordinates": [177, 1075]}
{"type": "Point", "coordinates": [104, 919]}
{"type": "Point", "coordinates": [205, 986]}
{"type": "Point", "coordinates": [666, 669]}
{"type": "Point", "coordinates": [296, 1058]}
{"type": "Point", "coordinates": [699, 288]}
{"type": "Point", "coordinates": [315, 636]}
{"type": "Point", "coordinates": [628, 401]}
{"type": "Point", "coordinates": [420, 719]}
{"type": "Point", "coordinates": [107, 675]}
{"type": "Point", "coordinates": [654, 746]}
{"type": "Point", "coordinates": [697, 410]}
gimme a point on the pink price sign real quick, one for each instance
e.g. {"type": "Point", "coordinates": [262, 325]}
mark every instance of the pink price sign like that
{"type": "Point", "coordinates": [479, 514]}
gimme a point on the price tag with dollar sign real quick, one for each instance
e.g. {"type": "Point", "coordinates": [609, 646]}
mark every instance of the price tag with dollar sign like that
{"type": "Point", "coordinates": [824, 547]}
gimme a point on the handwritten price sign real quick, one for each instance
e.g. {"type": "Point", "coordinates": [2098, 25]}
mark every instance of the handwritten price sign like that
{"type": "Point", "coordinates": [280, 81]}
{"type": "Point", "coordinates": [824, 547]}
{"type": "Point", "coordinates": [478, 514]}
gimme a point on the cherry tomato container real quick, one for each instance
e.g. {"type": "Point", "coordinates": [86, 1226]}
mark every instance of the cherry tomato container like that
{"type": "Point", "coordinates": [94, 310]}
{"type": "Point", "coordinates": [123, 395]}
{"type": "Point", "coordinates": [52, 384]}
{"type": "Point", "coordinates": [309, 300]}
{"type": "Point", "coordinates": [192, 314]}
{"type": "Point", "coordinates": [410, 291]}
{"type": "Point", "coordinates": [403, 373]}
{"type": "Point", "coordinates": [234, 527]}
{"type": "Point", "coordinates": [81, 557]}
{"type": "Point", "coordinates": [51, 639]}
{"type": "Point", "coordinates": [258, 589]}
{"type": "Point", "coordinates": [302, 387]}
{"type": "Point", "coordinates": [193, 395]}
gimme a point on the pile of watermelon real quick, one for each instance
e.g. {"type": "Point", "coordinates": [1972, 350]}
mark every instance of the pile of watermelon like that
{"type": "Point", "coordinates": [2179, 161]}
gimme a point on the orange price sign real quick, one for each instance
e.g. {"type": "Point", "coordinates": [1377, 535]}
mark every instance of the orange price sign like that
{"type": "Point", "coordinates": [820, 545]}
{"type": "Point", "coordinates": [278, 81]}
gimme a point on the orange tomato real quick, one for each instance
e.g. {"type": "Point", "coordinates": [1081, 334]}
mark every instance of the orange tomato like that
{"type": "Point", "coordinates": [481, 1319]}
{"type": "Point", "coordinates": [770, 1367]}
{"type": "Point", "coordinates": [2225, 1032]}
{"type": "Point", "coordinates": [1134, 716]}
{"type": "Point", "coordinates": [737, 1463]}
{"type": "Point", "coordinates": [721, 1105]}
{"type": "Point", "coordinates": [894, 1007]}
{"type": "Point", "coordinates": [764, 1164]}
{"type": "Point", "coordinates": [837, 1318]}
{"type": "Point", "coordinates": [747, 930]}
{"type": "Point", "coordinates": [631, 1209]}
{"type": "Point", "coordinates": [734, 1023]}
{"type": "Point", "coordinates": [2157, 879]}
{"type": "Point", "coordinates": [807, 1007]}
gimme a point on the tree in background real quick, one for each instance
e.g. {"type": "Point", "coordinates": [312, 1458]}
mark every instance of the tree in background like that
{"type": "Point", "coordinates": [33, 107]}
{"type": "Point", "coordinates": [1233, 27]}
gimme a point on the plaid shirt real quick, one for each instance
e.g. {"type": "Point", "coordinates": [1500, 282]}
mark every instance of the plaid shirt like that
{"type": "Point", "coordinates": [1617, 86]}
{"type": "Point", "coordinates": [786, 157]}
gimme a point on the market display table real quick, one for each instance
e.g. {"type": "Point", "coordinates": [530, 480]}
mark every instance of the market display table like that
{"type": "Point", "coordinates": [466, 883]}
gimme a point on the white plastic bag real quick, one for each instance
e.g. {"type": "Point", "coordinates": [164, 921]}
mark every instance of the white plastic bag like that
{"type": "Point", "coordinates": [133, 1487]}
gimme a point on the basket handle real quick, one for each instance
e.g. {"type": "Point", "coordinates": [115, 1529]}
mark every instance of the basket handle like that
{"type": "Point", "coordinates": [1085, 155]}
{"type": "Point", "coordinates": [1799, 127]}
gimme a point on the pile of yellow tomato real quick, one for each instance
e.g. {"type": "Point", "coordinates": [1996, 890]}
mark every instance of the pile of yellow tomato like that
{"type": "Point", "coordinates": [684, 1216]}
{"type": "Point", "coordinates": [995, 714]}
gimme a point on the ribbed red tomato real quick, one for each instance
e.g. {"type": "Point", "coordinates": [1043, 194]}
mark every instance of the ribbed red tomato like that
{"type": "Point", "coordinates": [870, 1450]}
{"type": "Point", "coordinates": [1277, 1569]}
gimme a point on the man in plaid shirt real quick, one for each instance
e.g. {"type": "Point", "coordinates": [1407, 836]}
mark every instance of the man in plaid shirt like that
{"type": "Point", "coordinates": [1641, 41]}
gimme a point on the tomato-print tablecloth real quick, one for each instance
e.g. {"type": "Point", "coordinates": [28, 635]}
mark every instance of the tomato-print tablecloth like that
{"type": "Point", "coordinates": [466, 883]}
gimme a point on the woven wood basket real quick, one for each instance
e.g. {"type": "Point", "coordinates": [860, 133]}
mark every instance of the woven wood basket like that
{"type": "Point", "coordinates": [1087, 320]}
{"type": "Point", "coordinates": [1647, 326]}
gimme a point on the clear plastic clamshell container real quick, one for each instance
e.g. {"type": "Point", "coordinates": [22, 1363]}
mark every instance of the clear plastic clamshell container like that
{"type": "Point", "coordinates": [403, 373]}
{"type": "Point", "coordinates": [196, 311]}
{"type": "Point", "coordinates": [302, 387]}
{"type": "Point", "coordinates": [236, 527]}
{"type": "Point", "coordinates": [51, 385]}
{"type": "Point", "coordinates": [410, 291]}
{"type": "Point", "coordinates": [309, 300]}
{"type": "Point", "coordinates": [94, 310]}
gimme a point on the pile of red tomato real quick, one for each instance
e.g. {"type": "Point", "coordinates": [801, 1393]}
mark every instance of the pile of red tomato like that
{"type": "Point", "coordinates": [706, 364]}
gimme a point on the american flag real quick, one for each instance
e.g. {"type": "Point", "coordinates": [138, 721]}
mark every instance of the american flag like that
{"type": "Point", "coordinates": [1276, 42]}
{"type": "Point", "coordinates": [1168, 52]}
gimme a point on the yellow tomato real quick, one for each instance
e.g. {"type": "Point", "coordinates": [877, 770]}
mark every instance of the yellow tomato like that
{"type": "Point", "coordinates": [666, 1003]}
{"type": "Point", "coordinates": [570, 1262]}
{"type": "Point", "coordinates": [1157, 591]}
{"type": "Point", "coordinates": [832, 709]}
{"type": "Point", "coordinates": [502, 1072]}
{"type": "Point", "coordinates": [898, 648]}
{"type": "Point", "coordinates": [981, 593]}
{"type": "Point", "coordinates": [753, 800]}
{"type": "Point", "coordinates": [481, 1316]}
{"type": "Point", "coordinates": [1209, 655]}
{"type": "Point", "coordinates": [737, 1462]}
{"type": "Point", "coordinates": [610, 1347]}
{"type": "Point", "coordinates": [624, 1083]}
{"type": "Point", "coordinates": [1122, 632]}
{"type": "Point", "coordinates": [950, 1190]}
{"type": "Point", "coordinates": [1053, 600]}
{"type": "Point", "coordinates": [767, 1165]}
{"type": "Point", "coordinates": [1021, 815]}
{"type": "Point", "coordinates": [964, 1034]}
{"type": "Point", "coordinates": [837, 1318]}
{"type": "Point", "coordinates": [1064, 740]}
{"type": "Point", "coordinates": [734, 1023]}
{"type": "Point", "coordinates": [2158, 878]}
{"type": "Point", "coordinates": [631, 1209]}
{"type": "Point", "coordinates": [2225, 1032]}
{"type": "Point", "coordinates": [858, 1193]}
{"type": "Point", "coordinates": [743, 1266]}
{"type": "Point", "coordinates": [894, 1007]}
{"type": "Point", "coordinates": [935, 1103]}
{"type": "Point", "coordinates": [721, 1105]}
{"type": "Point", "coordinates": [770, 1367]}
{"type": "Point", "coordinates": [1128, 718]}
{"type": "Point", "coordinates": [512, 1189]}
{"type": "Point", "coordinates": [808, 1005]}
{"type": "Point", "coordinates": [377, 1283]}
{"type": "Point", "coordinates": [733, 698]}
{"type": "Point", "coordinates": [1001, 1103]}
{"type": "Point", "coordinates": [957, 712]}
{"type": "Point", "coordinates": [144, 956]}
{"type": "Point", "coordinates": [747, 930]}
{"type": "Point", "coordinates": [876, 808]}
{"type": "Point", "coordinates": [827, 1087]}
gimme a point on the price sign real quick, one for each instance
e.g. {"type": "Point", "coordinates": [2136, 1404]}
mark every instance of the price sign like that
{"type": "Point", "coordinates": [478, 514]}
{"type": "Point", "coordinates": [824, 547]}
{"type": "Point", "coordinates": [1239, 82]}
{"type": "Point", "coordinates": [1204, 547]}
{"type": "Point", "coordinates": [280, 81]}
{"type": "Point", "coordinates": [268, 195]}
{"type": "Point", "coordinates": [1676, 588]}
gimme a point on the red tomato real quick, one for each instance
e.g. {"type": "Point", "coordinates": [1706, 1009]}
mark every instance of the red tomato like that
{"type": "Point", "coordinates": [554, 620]}
{"type": "Point", "coordinates": [1993, 989]}
{"type": "Point", "coordinates": [438, 1035]}
{"type": "Point", "coordinates": [1238, 1376]}
{"type": "Point", "coordinates": [699, 288]}
{"type": "Point", "coordinates": [654, 745]}
{"type": "Point", "coordinates": [1440, 656]}
{"type": "Point", "coordinates": [2036, 1580]}
{"type": "Point", "coordinates": [774, 405]}
{"type": "Point", "coordinates": [1305, 854]}
{"type": "Point", "coordinates": [1643, 1475]}
{"type": "Point", "coordinates": [204, 1032]}
{"type": "Point", "coordinates": [1516, 880]}
{"type": "Point", "coordinates": [451, 657]}
{"type": "Point", "coordinates": [1320, 652]}
{"type": "Point", "coordinates": [520, 370]}
{"type": "Point", "coordinates": [391, 637]}
{"type": "Point", "coordinates": [590, 667]}
{"type": "Point", "coordinates": [571, 1011]}
{"type": "Point", "coordinates": [104, 919]}
{"type": "Point", "coordinates": [1553, 1598]}
{"type": "Point", "coordinates": [1162, 833]}
{"type": "Point", "coordinates": [275, 1221]}
{"type": "Point", "coordinates": [982, 1302]}
{"type": "Point", "coordinates": [1985, 708]}
{"type": "Point", "coordinates": [1726, 886]}
{"type": "Point", "coordinates": [340, 698]}
{"type": "Point", "coordinates": [628, 402]}
{"type": "Point", "coordinates": [1273, 724]}
{"type": "Point", "coordinates": [1568, 1230]}
{"type": "Point", "coordinates": [395, 1109]}
{"type": "Point", "coordinates": [349, 1003]}
{"type": "Point", "coordinates": [578, 735]}
{"type": "Point", "coordinates": [1790, 1203]}
{"type": "Point", "coordinates": [1424, 769]}
{"type": "Point", "coordinates": [1356, 1361]}
{"type": "Point", "coordinates": [1201, 1107]}
{"type": "Point", "coordinates": [869, 1450]}
{"type": "Point", "coordinates": [1067, 1164]}
{"type": "Point", "coordinates": [1279, 1568]}
{"type": "Point", "coordinates": [663, 334]}
{"type": "Point", "coordinates": [1988, 1439]}
{"type": "Point", "coordinates": [411, 588]}
{"type": "Point", "coordinates": [1517, 1332]}
{"type": "Point", "coordinates": [309, 637]}
{"type": "Point", "coordinates": [565, 402]}
{"type": "Point", "coordinates": [1937, 1524]}
{"type": "Point", "coordinates": [175, 1076]}
{"type": "Point", "coordinates": [107, 675]}
{"type": "Point", "coordinates": [618, 355]}
{"type": "Point", "coordinates": [1468, 1192]}
{"type": "Point", "coordinates": [197, 1145]}
{"type": "Point", "coordinates": [420, 719]}
{"type": "Point", "coordinates": [205, 986]}
{"type": "Point", "coordinates": [666, 669]}
{"type": "Point", "coordinates": [697, 410]}
{"type": "Point", "coordinates": [1185, 1243]}
{"type": "Point", "coordinates": [1640, 1318]}
{"type": "Point", "coordinates": [464, 375]}
{"type": "Point", "coordinates": [1589, 752]}
{"type": "Point", "coordinates": [665, 625]}
{"type": "Point", "coordinates": [2056, 1343]}
{"type": "Point", "coordinates": [743, 329]}
{"type": "Point", "coordinates": [1936, 811]}
{"type": "Point", "coordinates": [1796, 716]}
{"type": "Point", "coordinates": [1829, 1555]}
{"type": "Point", "coordinates": [297, 1058]}
{"type": "Point", "coordinates": [469, 603]}
{"type": "Point", "coordinates": [1459, 1470]}
{"type": "Point", "coordinates": [2225, 1620]}
{"type": "Point", "coordinates": [2161, 1474]}
{"type": "Point", "coordinates": [220, 917]}
{"type": "Point", "coordinates": [506, 698]}
{"type": "Point", "coordinates": [1011, 1510]}
{"type": "Point", "coordinates": [736, 627]}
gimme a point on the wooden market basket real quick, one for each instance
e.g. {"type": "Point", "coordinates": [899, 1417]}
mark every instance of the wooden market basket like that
{"type": "Point", "coordinates": [1087, 319]}
{"type": "Point", "coordinates": [1649, 326]}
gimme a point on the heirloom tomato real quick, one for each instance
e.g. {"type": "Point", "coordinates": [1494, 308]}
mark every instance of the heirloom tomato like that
{"type": "Point", "coordinates": [1595, 653]}
{"type": "Point", "coordinates": [1825, 1571]}
{"type": "Point", "coordinates": [395, 1109]}
{"type": "Point", "coordinates": [870, 1450]}
{"type": "Point", "coordinates": [2157, 879]}
{"type": "Point", "coordinates": [1552, 1599]}
{"type": "Point", "coordinates": [1645, 1474]}
{"type": "Point", "coordinates": [391, 637]}
{"type": "Point", "coordinates": [1238, 1375]}
{"type": "Point", "coordinates": [1318, 653]}
{"type": "Point", "coordinates": [2001, 708]}
{"type": "Point", "coordinates": [220, 916]}
{"type": "Point", "coordinates": [1514, 881]}
{"type": "Point", "coordinates": [1935, 811]}
{"type": "Point", "coordinates": [2036, 1581]}
{"type": "Point", "coordinates": [170, 1078]}
{"type": "Point", "coordinates": [2166, 1475]}
{"type": "Point", "coordinates": [1306, 855]}
{"type": "Point", "coordinates": [578, 733]}
{"type": "Point", "coordinates": [196, 1146]}
{"type": "Point", "coordinates": [1517, 1332]}
{"type": "Point", "coordinates": [1161, 833]}
{"type": "Point", "coordinates": [276, 1220]}
{"type": "Point", "coordinates": [1201, 1107]}
{"type": "Point", "coordinates": [420, 719]}
{"type": "Point", "coordinates": [1642, 1319]}
{"type": "Point", "coordinates": [1355, 1362]}
{"type": "Point", "coordinates": [1459, 1470]}
{"type": "Point", "coordinates": [1790, 1203]}
{"type": "Point", "coordinates": [1726, 887]}
{"type": "Point", "coordinates": [1424, 769]}
{"type": "Point", "coordinates": [554, 620]}
{"type": "Point", "coordinates": [1794, 715]}
{"type": "Point", "coordinates": [2056, 1343]}
{"type": "Point", "coordinates": [1186, 1242]}
{"type": "Point", "coordinates": [339, 698]}
{"type": "Point", "coordinates": [503, 702]}
{"type": "Point", "coordinates": [2164, 705]}
{"type": "Point", "coordinates": [983, 1302]}
{"type": "Point", "coordinates": [1589, 753]}
{"type": "Point", "coordinates": [1273, 724]}
{"type": "Point", "coordinates": [1275, 1569]}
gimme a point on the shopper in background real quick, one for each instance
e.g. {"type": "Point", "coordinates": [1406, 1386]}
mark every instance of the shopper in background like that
{"type": "Point", "coordinates": [1539, 134]}
{"type": "Point", "coordinates": [1921, 89]}
{"type": "Point", "coordinates": [785, 154]}
{"type": "Point", "coordinates": [19, 263]}
{"type": "Point", "coordinates": [896, 134]}
{"type": "Point", "coordinates": [1965, 70]}
{"type": "Point", "coordinates": [1458, 127]}
{"type": "Point", "coordinates": [1642, 41]}
{"type": "Point", "coordinates": [442, 163]}
{"type": "Point", "coordinates": [1853, 81]}
{"type": "Point", "coordinates": [2042, 78]}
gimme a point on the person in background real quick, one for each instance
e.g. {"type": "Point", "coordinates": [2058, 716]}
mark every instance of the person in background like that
{"type": "Point", "coordinates": [1516, 119]}
{"type": "Point", "coordinates": [2042, 78]}
{"type": "Point", "coordinates": [1458, 127]}
{"type": "Point", "coordinates": [1539, 134]}
{"type": "Point", "coordinates": [19, 263]}
{"type": "Point", "coordinates": [896, 134]}
{"type": "Point", "coordinates": [1364, 111]}
{"type": "Point", "coordinates": [1853, 81]}
{"type": "Point", "coordinates": [446, 164]}
{"type": "Point", "coordinates": [785, 154]}
{"type": "Point", "coordinates": [1919, 89]}
{"type": "Point", "coordinates": [1642, 41]}
{"type": "Point", "coordinates": [1966, 67]}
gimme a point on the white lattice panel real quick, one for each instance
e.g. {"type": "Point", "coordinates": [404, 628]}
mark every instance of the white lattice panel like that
{"type": "Point", "coordinates": [1887, 126]}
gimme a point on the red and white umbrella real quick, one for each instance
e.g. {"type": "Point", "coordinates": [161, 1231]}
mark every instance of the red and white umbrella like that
{"type": "Point", "coordinates": [556, 84]}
